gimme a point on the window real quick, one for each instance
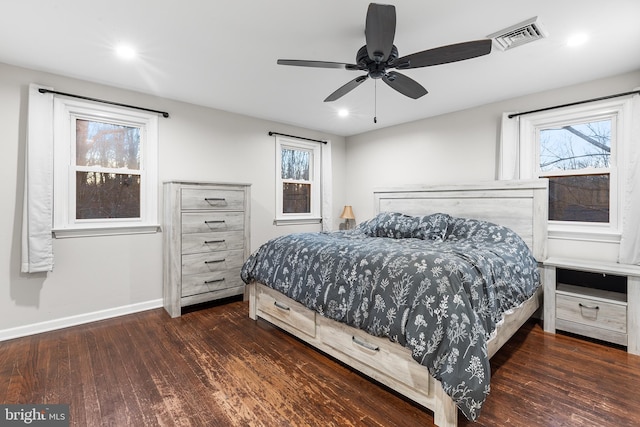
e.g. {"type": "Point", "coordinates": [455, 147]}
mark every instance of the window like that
{"type": "Point", "coordinates": [576, 158]}
{"type": "Point", "coordinates": [580, 151]}
{"type": "Point", "coordinates": [297, 181]}
{"type": "Point", "coordinates": [105, 169]}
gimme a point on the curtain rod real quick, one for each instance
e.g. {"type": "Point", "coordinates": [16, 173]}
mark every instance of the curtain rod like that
{"type": "Point", "coordinates": [299, 137]}
{"type": "Point", "coordinates": [42, 90]}
{"type": "Point", "coordinates": [633, 92]}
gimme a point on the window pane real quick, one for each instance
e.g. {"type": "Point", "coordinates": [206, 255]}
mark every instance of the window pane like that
{"type": "Point", "coordinates": [296, 198]}
{"type": "Point", "coordinates": [107, 145]}
{"type": "Point", "coordinates": [296, 164]}
{"type": "Point", "coordinates": [576, 146]}
{"type": "Point", "coordinates": [107, 195]}
{"type": "Point", "coordinates": [579, 198]}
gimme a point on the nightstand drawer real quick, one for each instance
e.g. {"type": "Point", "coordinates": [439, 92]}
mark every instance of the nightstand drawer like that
{"type": "Point", "coordinates": [592, 312]}
{"type": "Point", "coordinates": [206, 198]}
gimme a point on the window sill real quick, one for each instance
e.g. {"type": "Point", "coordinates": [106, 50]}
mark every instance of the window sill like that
{"type": "Point", "coordinates": [584, 235]}
{"type": "Point", "coordinates": [296, 221]}
{"type": "Point", "coordinates": [105, 231]}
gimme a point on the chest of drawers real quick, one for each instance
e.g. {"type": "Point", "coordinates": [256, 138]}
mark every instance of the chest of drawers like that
{"type": "Point", "coordinates": [206, 240]}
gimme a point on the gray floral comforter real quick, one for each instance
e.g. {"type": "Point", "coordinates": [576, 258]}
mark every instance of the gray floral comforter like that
{"type": "Point", "coordinates": [435, 284]}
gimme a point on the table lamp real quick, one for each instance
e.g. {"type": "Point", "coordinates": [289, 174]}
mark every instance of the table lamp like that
{"type": "Point", "coordinates": [347, 214]}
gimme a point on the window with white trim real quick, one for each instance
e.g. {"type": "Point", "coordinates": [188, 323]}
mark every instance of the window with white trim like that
{"type": "Point", "coordinates": [579, 150]}
{"type": "Point", "coordinates": [105, 169]}
{"type": "Point", "coordinates": [298, 188]}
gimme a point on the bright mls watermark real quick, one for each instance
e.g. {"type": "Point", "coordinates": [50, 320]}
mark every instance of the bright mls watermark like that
{"type": "Point", "coordinates": [34, 415]}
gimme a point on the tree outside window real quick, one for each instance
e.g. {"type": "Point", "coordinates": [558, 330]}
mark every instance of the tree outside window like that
{"type": "Point", "coordinates": [298, 180]}
{"type": "Point", "coordinates": [576, 158]}
{"type": "Point", "coordinates": [107, 170]}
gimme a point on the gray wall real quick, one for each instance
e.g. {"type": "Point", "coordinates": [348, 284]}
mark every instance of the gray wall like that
{"type": "Point", "coordinates": [104, 276]}
{"type": "Point", "coordinates": [459, 147]}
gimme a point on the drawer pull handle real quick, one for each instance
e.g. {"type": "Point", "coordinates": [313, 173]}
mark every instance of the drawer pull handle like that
{"type": "Point", "coordinates": [590, 307]}
{"type": "Point", "coordinates": [364, 344]}
{"type": "Point", "coordinates": [208, 242]}
{"type": "Point", "coordinates": [214, 199]}
{"type": "Point", "coordinates": [206, 282]}
{"type": "Point", "coordinates": [215, 261]}
{"type": "Point", "coordinates": [281, 306]}
{"type": "Point", "coordinates": [217, 221]}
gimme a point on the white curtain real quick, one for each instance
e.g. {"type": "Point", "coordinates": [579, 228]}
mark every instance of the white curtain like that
{"type": "Point", "coordinates": [37, 215]}
{"type": "Point", "coordinates": [327, 185]}
{"type": "Point", "coordinates": [630, 241]}
{"type": "Point", "coordinates": [509, 146]}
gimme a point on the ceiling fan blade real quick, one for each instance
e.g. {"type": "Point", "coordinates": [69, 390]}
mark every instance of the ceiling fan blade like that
{"type": "Point", "coordinates": [343, 90]}
{"type": "Point", "coordinates": [404, 85]}
{"type": "Point", "coordinates": [317, 64]}
{"type": "Point", "coordinates": [380, 30]}
{"type": "Point", "coordinates": [444, 54]}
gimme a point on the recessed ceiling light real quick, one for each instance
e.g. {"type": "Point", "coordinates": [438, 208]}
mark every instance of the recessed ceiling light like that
{"type": "Point", "coordinates": [577, 40]}
{"type": "Point", "coordinates": [125, 51]}
{"type": "Point", "coordinates": [343, 112]}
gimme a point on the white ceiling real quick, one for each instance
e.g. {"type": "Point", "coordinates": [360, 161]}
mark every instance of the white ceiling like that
{"type": "Point", "coordinates": [222, 54]}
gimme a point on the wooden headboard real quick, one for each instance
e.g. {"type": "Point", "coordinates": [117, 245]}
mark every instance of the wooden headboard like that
{"type": "Point", "coordinates": [519, 205]}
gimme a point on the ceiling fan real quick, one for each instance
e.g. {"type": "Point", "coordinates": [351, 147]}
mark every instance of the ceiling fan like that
{"type": "Point", "coordinates": [380, 54]}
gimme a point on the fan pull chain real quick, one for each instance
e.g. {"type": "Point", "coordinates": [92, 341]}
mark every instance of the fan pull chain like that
{"type": "Point", "coordinates": [375, 101]}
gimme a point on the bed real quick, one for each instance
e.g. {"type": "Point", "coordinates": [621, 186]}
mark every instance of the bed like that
{"type": "Point", "coordinates": [460, 263]}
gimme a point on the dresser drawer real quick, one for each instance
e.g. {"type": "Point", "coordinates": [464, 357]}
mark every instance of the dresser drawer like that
{"type": "Point", "coordinates": [209, 198]}
{"type": "Point", "coordinates": [591, 311]}
{"type": "Point", "coordinates": [215, 241]}
{"type": "Point", "coordinates": [206, 222]}
{"type": "Point", "coordinates": [284, 312]}
{"type": "Point", "coordinates": [212, 261]}
{"type": "Point", "coordinates": [195, 284]}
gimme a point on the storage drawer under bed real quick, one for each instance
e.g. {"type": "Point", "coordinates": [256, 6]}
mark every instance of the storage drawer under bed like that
{"type": "Point", "coordinates": [376, 357]}
{"type": "Point", "coordinates": [376, 353]}
{"type": "Point", "coordinates": [284, 312]}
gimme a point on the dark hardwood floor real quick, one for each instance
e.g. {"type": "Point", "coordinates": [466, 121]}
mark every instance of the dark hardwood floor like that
{"type": "Point", "coordinates": [216, 367]}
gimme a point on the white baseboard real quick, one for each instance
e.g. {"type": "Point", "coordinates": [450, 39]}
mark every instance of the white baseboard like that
{"type": "Point", "coordinates": [65, 322]}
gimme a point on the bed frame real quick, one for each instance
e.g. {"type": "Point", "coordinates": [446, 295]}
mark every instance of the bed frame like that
{"type": "Point", "coordinates": [520, 205]}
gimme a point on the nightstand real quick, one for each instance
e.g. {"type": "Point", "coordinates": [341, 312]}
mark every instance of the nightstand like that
{"type": "Point", "coordinates": [593, 310]}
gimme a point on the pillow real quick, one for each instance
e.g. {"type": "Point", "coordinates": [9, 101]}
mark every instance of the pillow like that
{"type": "Point", "coordinates": [400, 226]}
{"type": "Point", "coordinates": [390, 224]}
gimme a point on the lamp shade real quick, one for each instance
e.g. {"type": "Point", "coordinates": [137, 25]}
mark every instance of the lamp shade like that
{"type": "Point", "coordinates": [347, 213]}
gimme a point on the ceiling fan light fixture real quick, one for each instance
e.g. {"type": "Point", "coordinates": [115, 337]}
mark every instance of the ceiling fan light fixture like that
{"type": "Point", "coordinates": [520, 34]}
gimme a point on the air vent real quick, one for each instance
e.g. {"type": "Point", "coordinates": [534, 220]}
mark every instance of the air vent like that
{"type": "Point", "coordinates": [519, 34]}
